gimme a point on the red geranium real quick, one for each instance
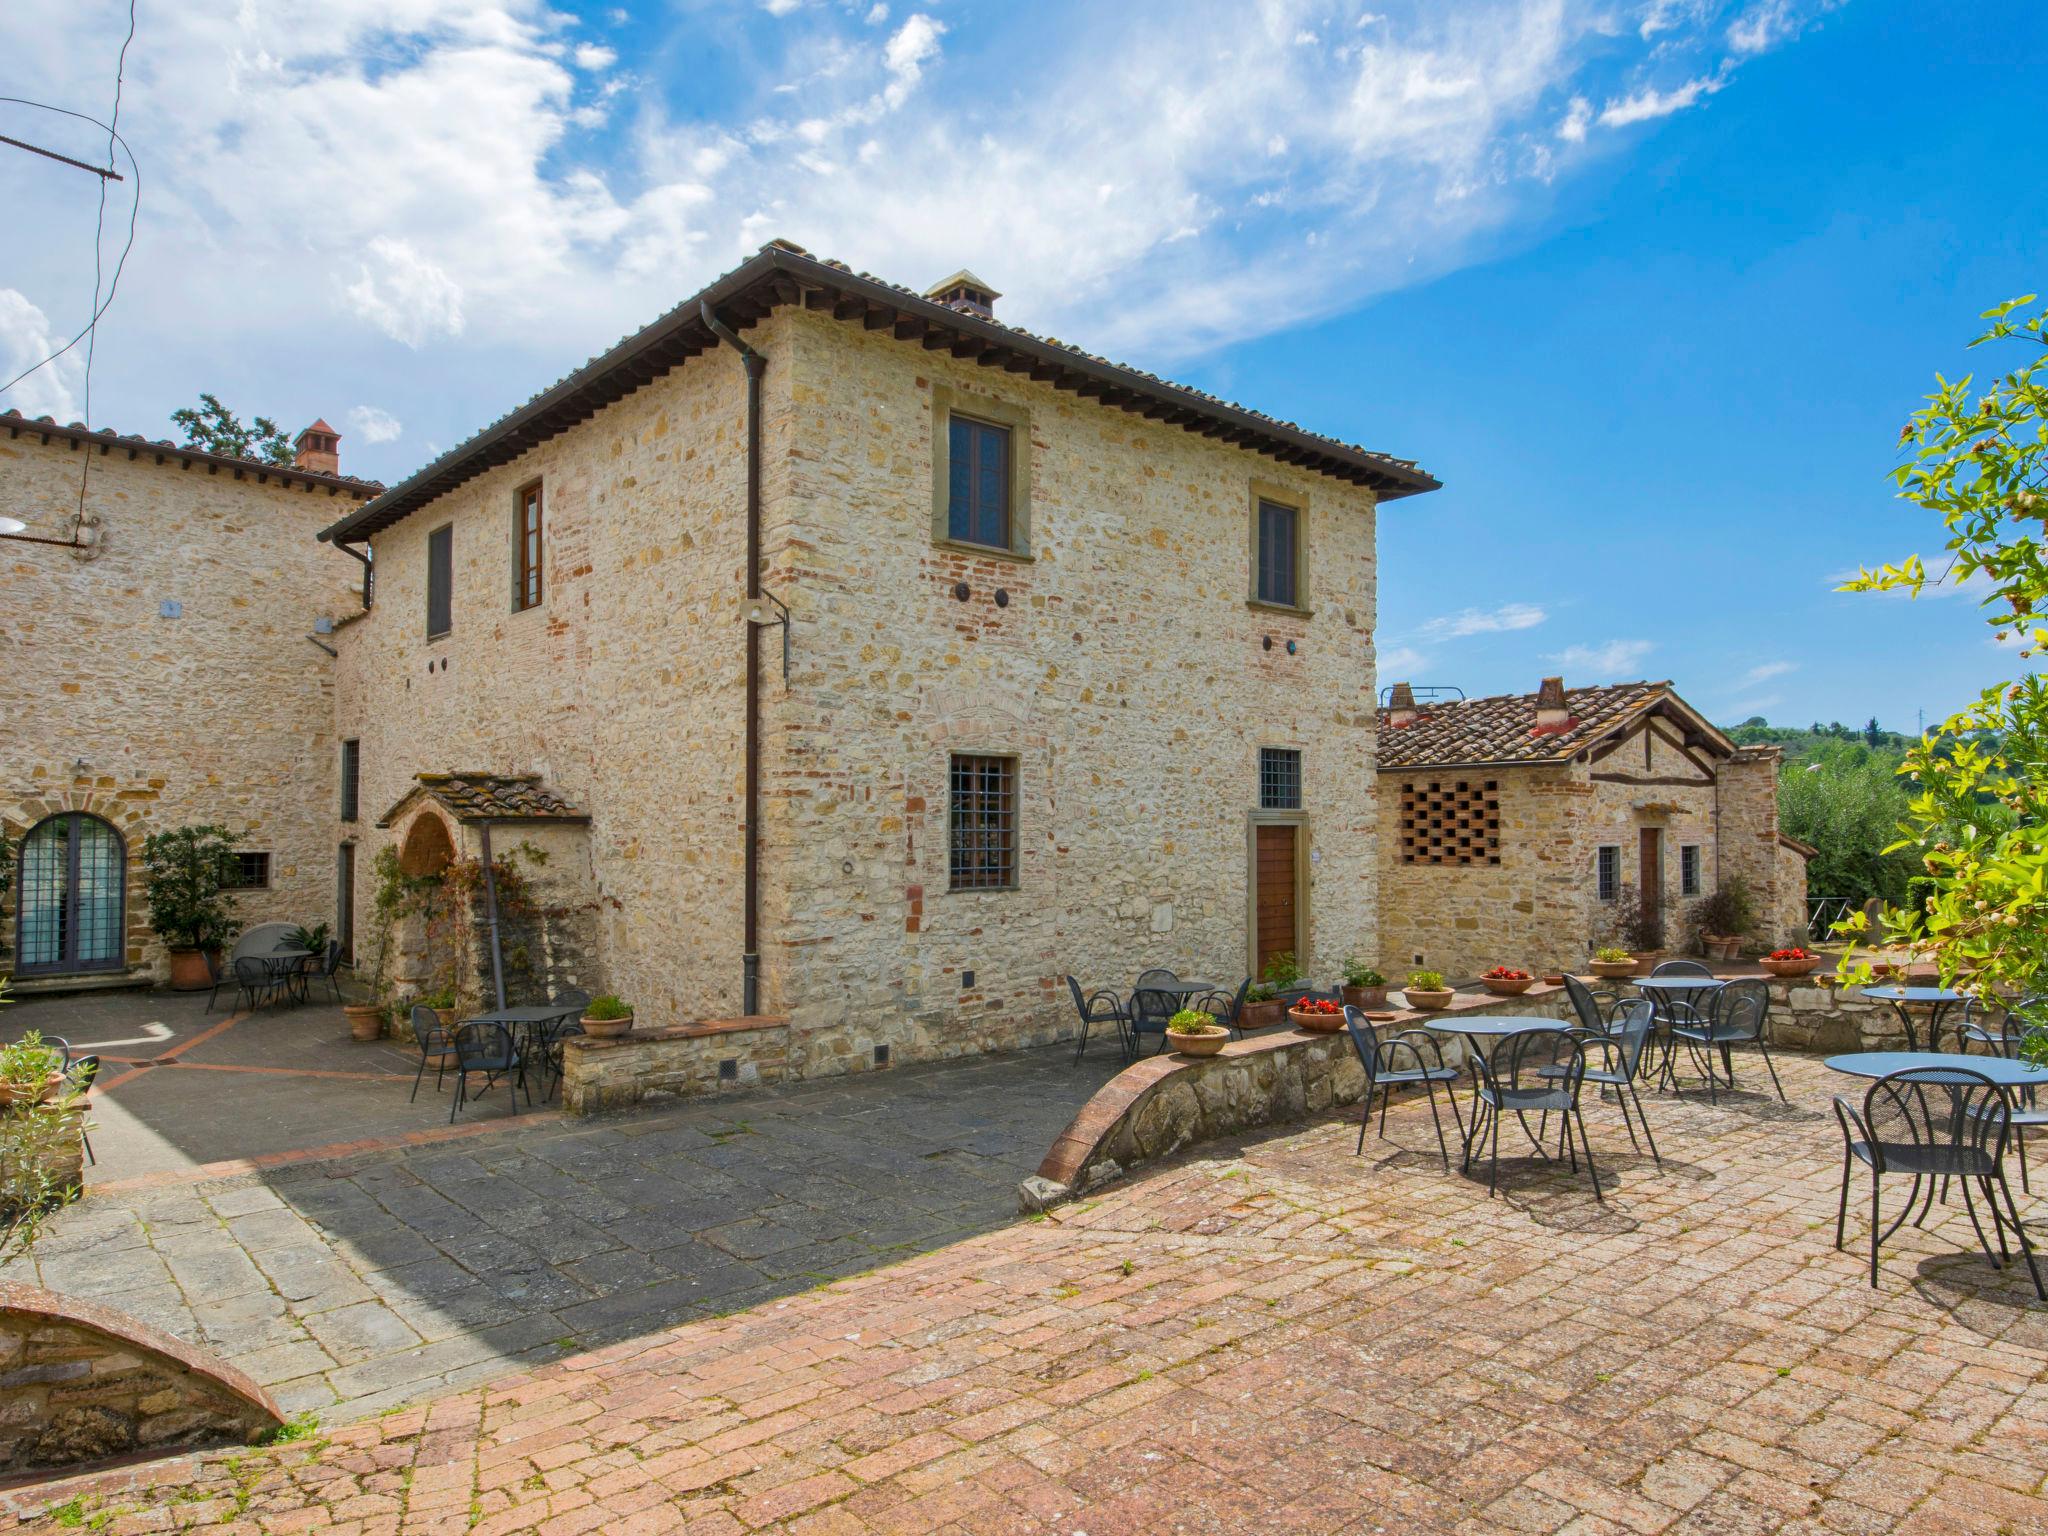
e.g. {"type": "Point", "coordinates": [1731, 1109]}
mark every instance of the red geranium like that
{"type": "Point", "coordinates": [1507, 973]}
{"type": "Point", "coordinates": [1317, 1005]}
{"type": "Point", "coordinates": [1794, 953]}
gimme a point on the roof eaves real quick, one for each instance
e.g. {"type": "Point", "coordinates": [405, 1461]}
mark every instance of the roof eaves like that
{"type": "Point", "coordinates": [136, 445]}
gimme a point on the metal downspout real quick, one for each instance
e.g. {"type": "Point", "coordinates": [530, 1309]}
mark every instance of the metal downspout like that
{"type": "Point", "coordinates": [750, 957]}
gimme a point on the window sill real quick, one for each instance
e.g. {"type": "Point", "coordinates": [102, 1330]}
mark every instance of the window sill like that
{"type": "Point", "coordinates": [529, 608]}
{"type": "Point", "coordinates": [443, 635]}
{"type": "Point", "coordinates": [1260, 605]}
{"type": "Point", "coordinates": [992, 551]}
{"type": "Point", "coordinates": [982, 890]}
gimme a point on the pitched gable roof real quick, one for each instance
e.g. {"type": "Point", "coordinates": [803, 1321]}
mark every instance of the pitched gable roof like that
{"type": "Point", "coordinates": [79, 435]}
{"type": "Point", "coordinates": [781, 273]}
{"type": "Point", "coordinates": [1501, 729]}
{"type": "Point", "coordinates": [475, 797]}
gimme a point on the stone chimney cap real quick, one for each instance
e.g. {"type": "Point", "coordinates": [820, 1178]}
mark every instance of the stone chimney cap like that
{"type": "Point", "coordinates": [1553, 715]}
{"type": "Point", "coordinates": [1551, 694]}
{"type": "Point", "coordinates": [965, 292]}
{"type": "Point", "coordinates": [320, 426]}
{"type": "Point", "coordinates": [317, 449]}
{"type": "Point", "coordinates": [1402, 697]}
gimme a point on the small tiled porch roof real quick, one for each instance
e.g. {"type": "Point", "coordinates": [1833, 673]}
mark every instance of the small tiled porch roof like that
{"type": "Point", "coordinates": [480, 797]}
{"type": "Point", "coordinates": [1501, 730]}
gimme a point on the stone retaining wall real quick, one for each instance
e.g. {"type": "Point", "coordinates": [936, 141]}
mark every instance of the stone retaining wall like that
{"type": "Point", "coordinates": [681, 1061]}
{"type": "Point", "coordinates": [1162, 1104]}
{"type": "Point", "coordinates": [82, 1383]}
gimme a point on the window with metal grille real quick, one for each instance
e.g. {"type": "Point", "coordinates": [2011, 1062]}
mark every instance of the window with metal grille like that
{"type": "Point", "coordinates": [1689, 869]}
{"type": "Point", "coordinates": [526, 549]}
{"type": "Point", "coordinates": [440, 581]}
{"type": "Point", "coordinates": [351, 778]}
{"type": "Point", "coordinates": [1607, 872]}
{"type": "Point", "coordinates": [245, 871]}
{"type": "Point", "coordinates": [1278, 546]}
{"type": "Point", "coordinates": [1454, 822]}
{"type": "Point", "coordinates": [982, 818]}
{"type": "Point", "coordinates": [978, 492]}
{"type": "Point", "coordinates": [1279, 779]}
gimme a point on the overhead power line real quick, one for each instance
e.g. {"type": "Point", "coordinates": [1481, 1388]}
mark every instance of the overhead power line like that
{"type": "Point", "coordinates": [51, 154]}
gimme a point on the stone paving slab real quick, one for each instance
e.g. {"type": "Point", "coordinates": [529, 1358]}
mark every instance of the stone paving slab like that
{"type": "Point", "coordinates": [1265, 1337]}
{"type": "Point", "coordinates": [350, 1285]}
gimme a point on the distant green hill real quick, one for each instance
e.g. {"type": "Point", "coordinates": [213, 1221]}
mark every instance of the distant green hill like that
{"type": "Point", "coordinates": [1805, 741]}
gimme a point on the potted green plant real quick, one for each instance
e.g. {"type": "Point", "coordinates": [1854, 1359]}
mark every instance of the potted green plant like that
{"type": "Point", "coordinates": [1263, 1004]}
{"type": "Point", "coordinates": [365, 1021]}
{"type": "Point", "coordinates": [42, 1139]}
{"type": "Point", "coordinates": [1363, 986]}
{"type": "Point", "coordinates": [1611, 961]}
{"type": "Point", "coordinates": [1427, 990]}
{"type": "Point", "coordinates": [607, 1016]}
{"type": "Point", "coordinates": [1506, 981]}
{"type": "Point", "coordinates": [31, 1072]}
{"type": "Point", "coordinates": [1724, 919]}
{"type": "Point", "coordinates": [1641, 929]}
{"type": "Point", "coordinates": [181, 881]}
{"type": "Point", "coordinates": [1195, 1033]}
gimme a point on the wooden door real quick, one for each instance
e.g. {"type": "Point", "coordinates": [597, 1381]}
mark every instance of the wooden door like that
{"type": "Point", "coordinates": [1650, 866]}
{"type": "Point", "coordinates": [1273, 894]}
{"type": "Point", "coordinates": [345, 902]}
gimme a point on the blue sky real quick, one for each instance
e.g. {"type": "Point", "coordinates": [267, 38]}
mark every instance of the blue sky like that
{"type": "Point", "coordinates": [1650, 284]}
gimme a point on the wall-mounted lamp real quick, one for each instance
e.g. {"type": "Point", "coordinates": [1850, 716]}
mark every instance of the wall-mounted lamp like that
{"type": "Point", "coordinates": [759, 612]}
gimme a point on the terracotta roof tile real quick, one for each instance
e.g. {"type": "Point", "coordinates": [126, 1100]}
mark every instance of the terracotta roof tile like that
{"type": "Point", "coordinates": [472, 797]}
{"type": "Point", "coordinates": [79, 432]}
{"type": "Point", "coordinates": [1502, 729]}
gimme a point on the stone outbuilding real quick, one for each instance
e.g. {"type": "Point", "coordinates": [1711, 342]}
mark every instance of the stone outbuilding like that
{"type": "Point", "coordinates": [166, 658]}
{"type": "Point", "coordinates": [902, 660]}
{"type": "Point", "coordinates": [1515, 828]}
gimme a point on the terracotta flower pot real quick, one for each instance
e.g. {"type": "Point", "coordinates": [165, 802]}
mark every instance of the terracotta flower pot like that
{"type": "Point", "coordinates": [1364, 997]}
{"type": "Point", "coordinates": [1554, 980]}
{"type": "Point", "coordinates": [1646, 960]}
{"type": "Point", "coordinates": [189, 972]}
{"type": "Point", "coordinates": [1429, 1002]}
{"type": "Point", "coordinates": [52, 1085]}
{"type": "Point", "coordinates": [1315, 1023]}
{"type": "Point", "coordinates": [1205, 1042]}
{"type": "Point", "coordinates": [1610, 970]}
{"type": "Point", "coordinates": [1720, 946]}
{"type": "Point", "coordinates": [1501, 987]}
{"type": "Point", "coordinates": [365, 1021]}
{"type": "Point", "coordinates": [607, 1029]}
{"type": "Point", "coordinates": [1263, 1015]}
{"type": "Point", "coordinates": [1791, 967]}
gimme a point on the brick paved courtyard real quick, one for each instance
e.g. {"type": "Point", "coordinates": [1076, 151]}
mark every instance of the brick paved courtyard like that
{"type": "Point", "coordinates": [1277, 1337]}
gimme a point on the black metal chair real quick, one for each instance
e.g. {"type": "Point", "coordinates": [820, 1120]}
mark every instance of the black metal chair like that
{"type": "Point", "coordinates": [1738, 1016]}
{"type": "Point", "coordinates": [1101, 1006]}
{"type": "Point", "coordinates": [324, 969]}
{"type": "Point", "coordinates": [1681, 968]}
{"type": "Point", "coordinates": [80, 1075]}
{"type": "Point", "coordinates": [218, 973]}
{"type": "Point", "coordinates": [572, 1001]}
{"type": "Point", "coordinates": [1620, 1046]}
{"type": "Point", "coordinates": [1149, 1012]}
{"type": "Point", "coordinates": [2025, 1106]}
{"type": "Point", "coordinates": [1933, 1123]}
{"type": "Point", "coordinates": [1384, 1073]}
{"type": "Point", "coordinates": [435, 1039]}
{"type": "Point", "coordinates": [1225, 1008]}
{"type": "Point", "coordinates": [1535, 1071]}
{"type": "Point", "coordinates": [257, 980]}
{"type": "Point", "coordinates": [1596, 1007]}
{"type": "Point", "coordinates": [488, 1049]}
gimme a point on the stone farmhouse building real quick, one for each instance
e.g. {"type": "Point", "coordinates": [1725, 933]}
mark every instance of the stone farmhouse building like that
{"type": "Point", "coordinates": [1012, 661]}
{"type": "Point", "coordinates": [1515, 826]}
{"type": "Point", "coordinates": [162, 662]}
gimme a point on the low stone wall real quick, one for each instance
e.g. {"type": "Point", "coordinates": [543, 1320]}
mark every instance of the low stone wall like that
{"type": "Point", "coordinates": [681, 1061]}
{"type": "Point", "coordinates": [82, 1383]}
{"type": "Point", "coordinates": [1161, 1104]}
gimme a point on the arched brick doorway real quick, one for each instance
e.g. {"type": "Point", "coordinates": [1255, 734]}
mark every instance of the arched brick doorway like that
{"type": "Point", "coordinates": [71, 913]}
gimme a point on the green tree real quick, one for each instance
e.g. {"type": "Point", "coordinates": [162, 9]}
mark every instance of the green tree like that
{"type": "Point", "coordinates": [1849, 802]}
{"type": "Point", "coordinates": [1978, 819]}
{"type": "Point", "coordinates": [213, 428]}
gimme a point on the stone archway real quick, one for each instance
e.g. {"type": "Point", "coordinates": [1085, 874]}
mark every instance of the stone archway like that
{"type": "Point", "coordinates": [428, 848]}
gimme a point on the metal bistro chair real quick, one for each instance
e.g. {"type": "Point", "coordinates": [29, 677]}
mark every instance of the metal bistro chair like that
{"type": "Point", "coordinates": [1737, 1017]}
{"type": "Point", "coordinates": [488, 1049]}
{"type": "Point", "coordinates": [1225, 1008]}
{"type": "Point", "coordinates": [80, 1074]}
{"type": "Point", "coordinates": [1152, 1005]}
{"type": "Point", "coordinates": [1596, 1007]}
{"type": "Point", "coordinates": [1101, 1006]}
{"type": "Point", "coordinates": [1957, 1130]}
{"type": "Point", "coordinates": [257, 980]}
{"type": "Point", "coordinates": [1621, 1047]}
{"type": "Point", "coordinates": [1681, 968]}
{"type": "Point", "coordinates": [2025, 1107]}
{"type": "Point", "coordinates": [324, 969]}
{"type": "Point", "coordinates": [436, 1039]}
{"type": "Point", "coordinates": [1513, 1080]}
{"type": "Point", "coordinates": [1384, 1073]}
{"type": "Point", "coordinates": [572, 1001]}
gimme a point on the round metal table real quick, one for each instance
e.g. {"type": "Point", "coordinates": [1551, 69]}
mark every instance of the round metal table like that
{"type": "Point", "coordinates": [2002, 1070]}
{"type": "Point", "coordinates": [1936, 1000]}
{"type": "Point", "coordinates": [1683, 989]}
{"type": "Point", "coordinates": [1491, 1027]}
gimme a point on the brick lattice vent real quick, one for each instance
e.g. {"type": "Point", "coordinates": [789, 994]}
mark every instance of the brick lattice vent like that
{"type": "Point", "coordinates": [1451, 823]}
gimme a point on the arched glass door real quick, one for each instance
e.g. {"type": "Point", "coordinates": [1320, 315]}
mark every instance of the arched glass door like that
{"type": "Point", "coordinates": [73, 879]}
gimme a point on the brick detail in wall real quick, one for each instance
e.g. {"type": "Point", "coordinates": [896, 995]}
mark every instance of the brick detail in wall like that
{"type": "Point", "coordinates": [1454, 822]}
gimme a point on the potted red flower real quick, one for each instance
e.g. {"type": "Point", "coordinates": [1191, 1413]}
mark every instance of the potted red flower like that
{"type": "Point", "coordinates": [1317, 1014]}
{"type": "Point", "coordinates": [1506, 981]}
{"type": "Point", "coordinates": [1791, 961]}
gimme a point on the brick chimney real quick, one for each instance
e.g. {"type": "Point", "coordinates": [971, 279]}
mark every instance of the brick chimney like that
{"type": "Point", "coordinates": [965, 292]}
{"type": "Point", "coordinates": [317, 450]}
{"type": "Point", "coordinates": [1552, 716]}
{"type": "Point", "coordinates": [1401, 709]}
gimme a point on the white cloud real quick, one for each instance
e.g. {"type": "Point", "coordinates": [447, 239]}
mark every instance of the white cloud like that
{"type": "Point", "coordinates": [595, 56]}
{"type": "Point", "coordinates": [1607, 660]}
{"type": "Point", "coordinates": [1765, 25]}
{"type": "Point", "coordinates": [1484, 621]}
{"type": "Point", "coordinates": [26, 338]}
{"type": "Point", "coordinates": [1396, 663]}
{"type": "Point", "coordinates": [1647, 105]}
{"type": "Point", "coordinates": [1764, 672]}
{"type": "Point", "coordinates": [911, 47]}
{"type": "Point", "coordinates": [374, 425]}
{"type": "Point", "coordinates": [408, 298]}
{"type": "Point", "coordinates": [877, 14]}
{"type": "Point", "coordinates": [1576, 118]}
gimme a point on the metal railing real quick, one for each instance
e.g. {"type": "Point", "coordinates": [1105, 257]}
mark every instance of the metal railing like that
{"type": "Point", "coordinates": [1823, 912]}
